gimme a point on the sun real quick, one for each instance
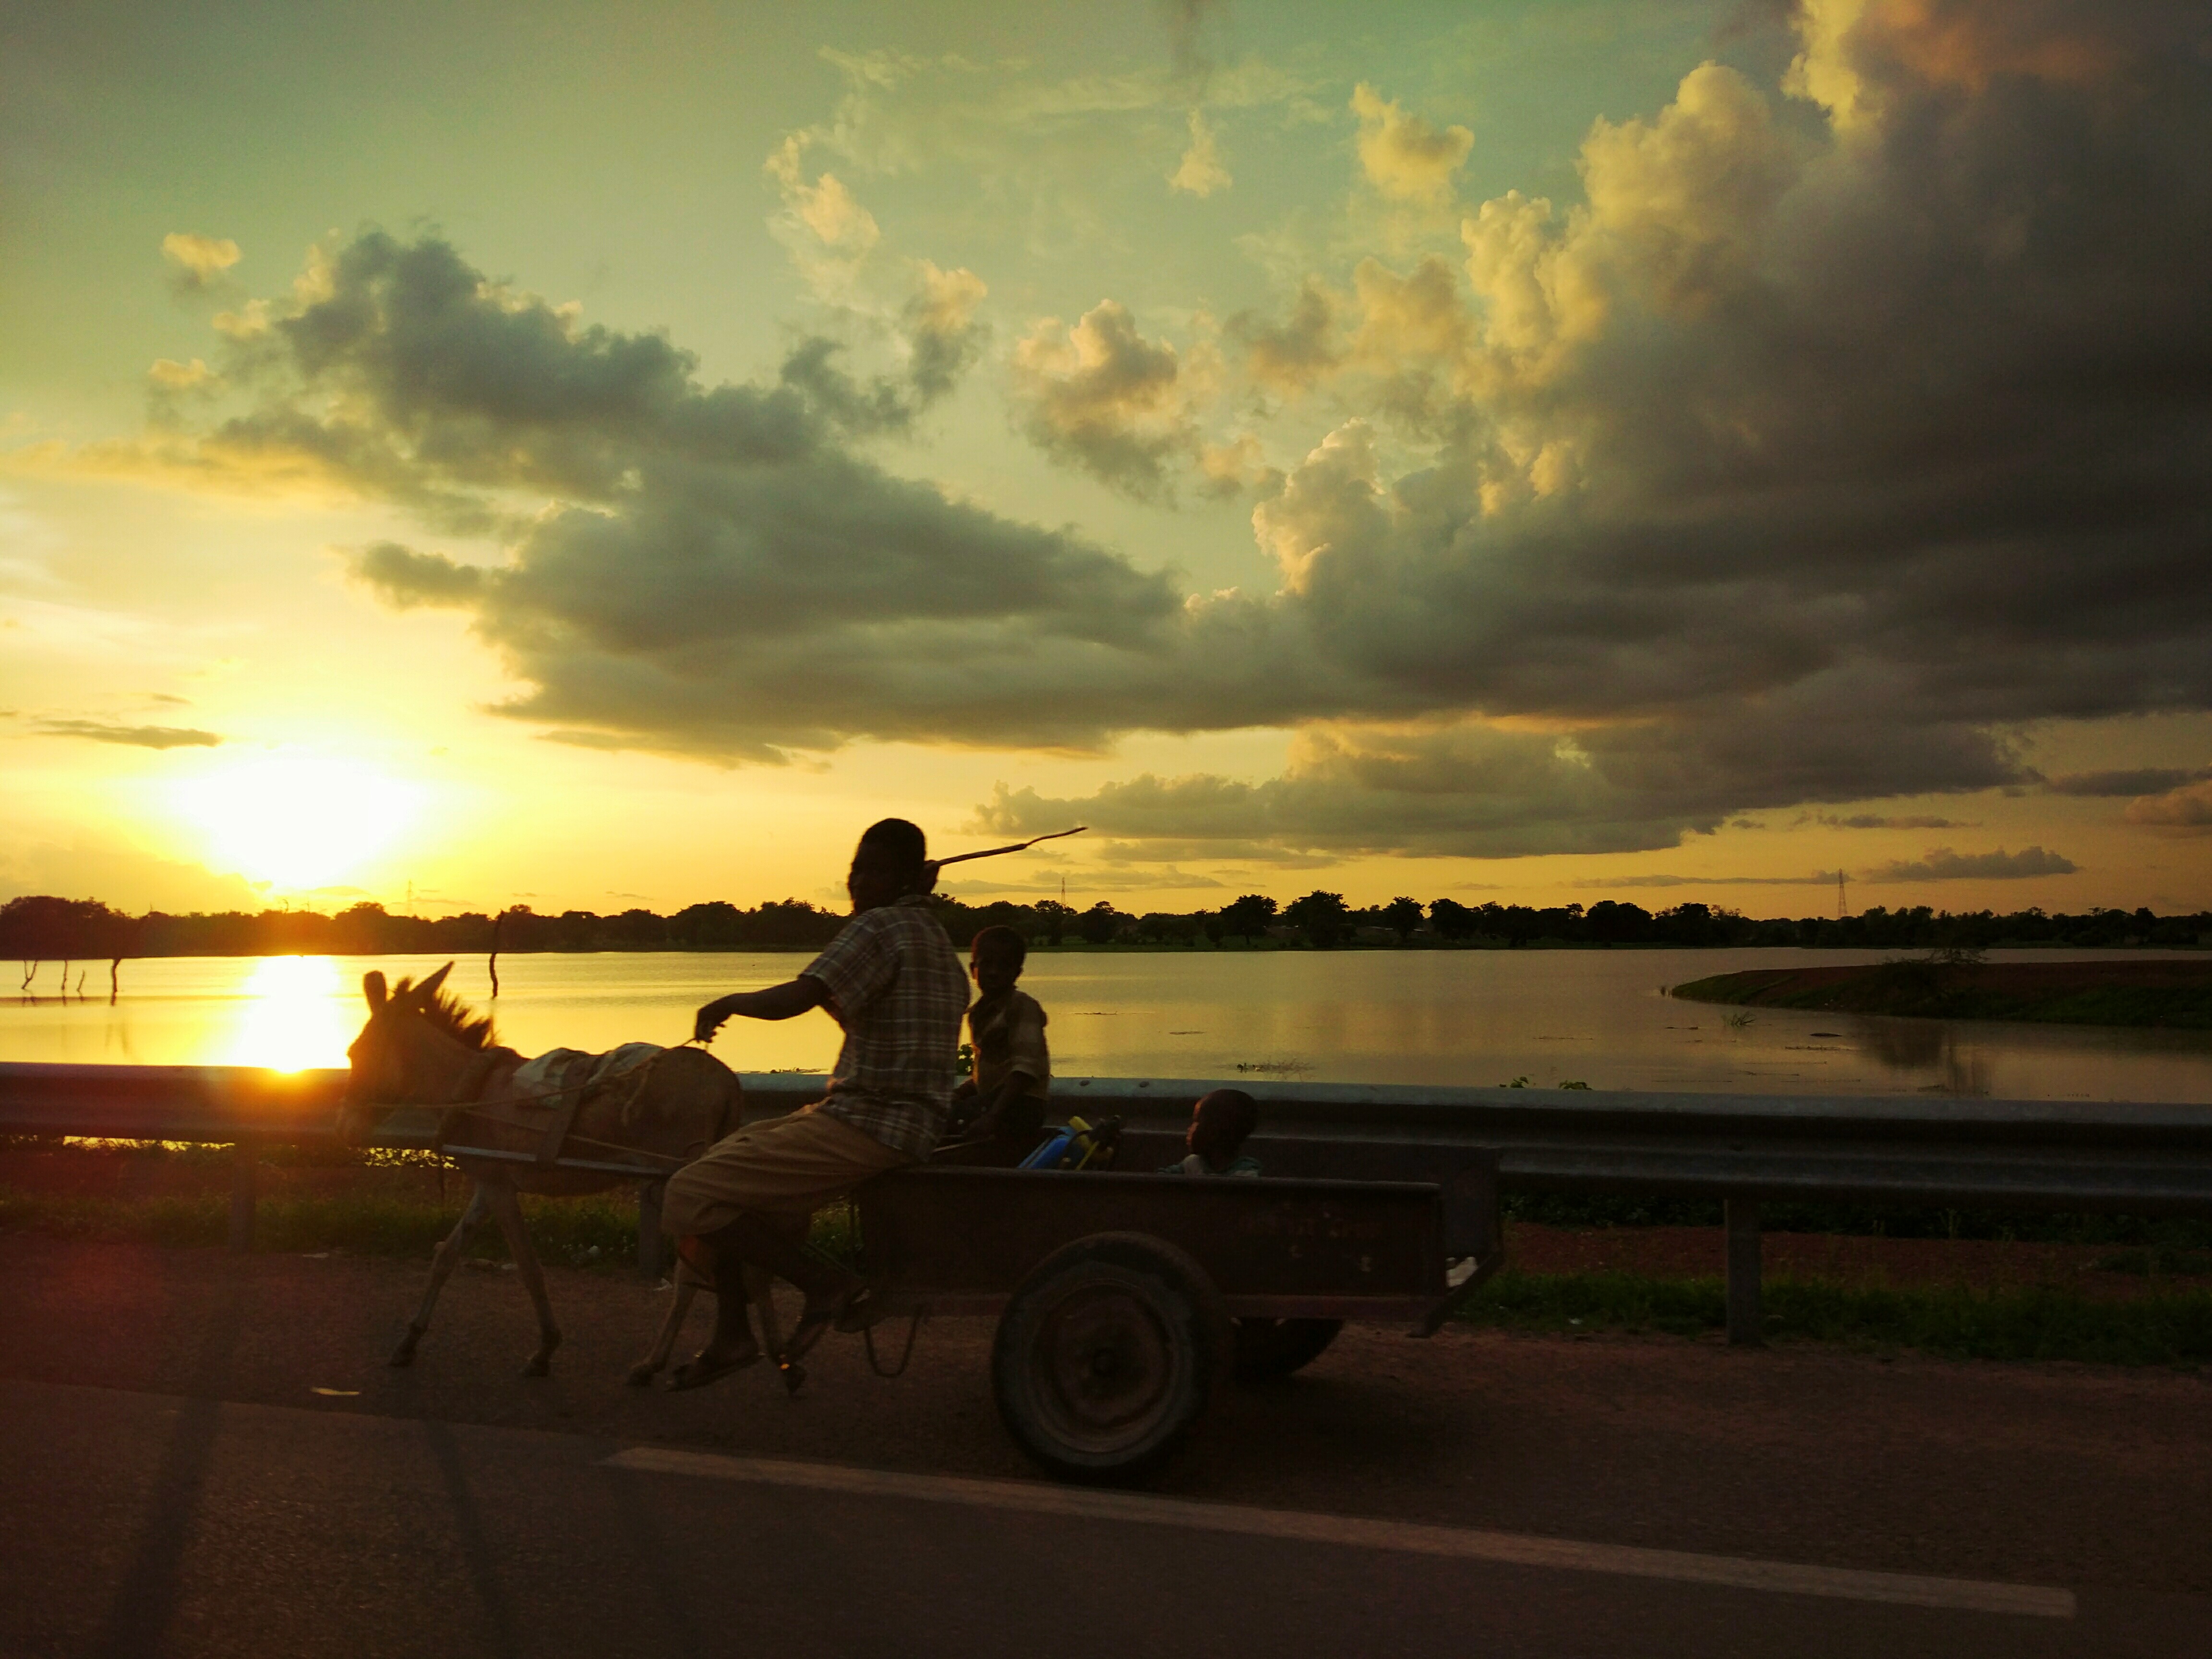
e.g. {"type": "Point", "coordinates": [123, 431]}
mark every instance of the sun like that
{"type": "Point", "coordinates": [298, 821]}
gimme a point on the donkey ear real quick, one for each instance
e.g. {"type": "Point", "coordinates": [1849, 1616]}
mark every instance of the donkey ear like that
{"type": "Point", "coordinates": [428, 988]}
{"type": "Point", "coordinates": [372, 987]}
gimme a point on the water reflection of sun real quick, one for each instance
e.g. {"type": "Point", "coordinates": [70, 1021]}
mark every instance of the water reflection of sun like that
{"type": "Point", "coordinates": [295, 1015]}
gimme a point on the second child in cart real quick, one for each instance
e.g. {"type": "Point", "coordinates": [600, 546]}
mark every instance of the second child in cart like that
{"type": "Point", "coordinates": [1007, 1098]}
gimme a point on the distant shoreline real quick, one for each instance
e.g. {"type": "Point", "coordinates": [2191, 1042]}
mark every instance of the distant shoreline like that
{"type": "Point", "coordinates": [2142, 993]}
{"type": "Point", "coordinates": [1135, 948]}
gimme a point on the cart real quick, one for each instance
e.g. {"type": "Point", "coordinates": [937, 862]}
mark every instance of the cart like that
{"type": "Point", "coordinates": [1126, 1301]}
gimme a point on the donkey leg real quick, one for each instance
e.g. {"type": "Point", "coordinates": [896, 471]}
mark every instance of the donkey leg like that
{"type": "Point", "coordinates": [671, 1327]}
{"type": "Point", "coordinates": [443, 1261]}
{"type": "Point", "coordinates": [508, 1208]}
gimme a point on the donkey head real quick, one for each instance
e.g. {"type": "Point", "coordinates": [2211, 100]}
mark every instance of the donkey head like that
{"type": "Point", "coordinates": [407, 1026]}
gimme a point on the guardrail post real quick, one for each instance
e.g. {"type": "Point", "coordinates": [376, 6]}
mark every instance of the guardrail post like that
{"type": "Point", "coordinates": [651, 1250]}
{"type": "Point", "coordinates": [244, 1184]}
{"type": "Point", "coordinates": [1746, 1329]}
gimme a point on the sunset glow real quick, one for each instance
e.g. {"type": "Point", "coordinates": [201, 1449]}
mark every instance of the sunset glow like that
{"type": "Point", "coordinates": [1543, 451]}
{"type": "Point", "coordinates": [298, 821]}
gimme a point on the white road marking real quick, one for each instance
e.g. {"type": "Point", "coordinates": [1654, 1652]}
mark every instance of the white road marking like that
{"type": "Point", "coordinates": [1465, 1543]}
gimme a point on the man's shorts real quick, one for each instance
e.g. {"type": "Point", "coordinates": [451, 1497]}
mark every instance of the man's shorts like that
{"type": "Point", "coordinates": [785, 1167]}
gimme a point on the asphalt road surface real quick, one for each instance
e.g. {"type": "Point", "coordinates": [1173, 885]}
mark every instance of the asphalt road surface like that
{"type": "Point", "coordinates": [171, 1482]}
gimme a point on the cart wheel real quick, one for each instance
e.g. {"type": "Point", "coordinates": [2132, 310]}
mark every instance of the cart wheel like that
{"type": "Point", "coordinates": [1271, 1348]}
{"type": "Point", "coordinates": [1107, 1354]}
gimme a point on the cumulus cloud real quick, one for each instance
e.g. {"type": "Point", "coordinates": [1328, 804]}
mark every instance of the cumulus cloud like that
{"type": "Point", "coordinates": [1403, 156]}
{"type": "Point", "coordinates": [1941, 864]}
{"type": "Point", "coordinates": [133, 736]}
{"type": "Point", "coordinates": [2186, 811]}
{"type": "Point", "coordinates": [196, 262]}
{"type": "Point", "coordinates": [1102, 397]}
{"type": "Point", "coordinates": [1831, 455]}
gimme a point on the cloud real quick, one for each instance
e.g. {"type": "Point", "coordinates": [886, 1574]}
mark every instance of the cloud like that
{"type": "Point", "coordinates": [1089, 885]}
{"type": "Point", "coordinates": [1201, 172]}
{"type": "Point", "coordinates": [2186, 811]}
{"type": "Point", "coordinates": [169, 375]}
{"type": "Point", "coordinates": [829, 234]}
{"type": "Point", "coordinates": [1832, 439]}
{"type": "Point", "coordinates": [407, 580]}
{"type": "Point", "coordinates": [1102, 398]}
{"type": "Point", "coordinates": [1045, 151]}
{"type": "Point", "coordinates": [196, 262]}
{"type": "Point", "coordinates": [130, 880]}
{"type": "Point", "coordinates": [941, 328]}
{"type": "Point", "coordinates": [928, 314]}
{"type": "Point", "coordinates": [1941, 864]}
{"type": "Point", "coordinates": [1301, 350]}
{"type": "Point", "coordinates": [1614, 884]}
{"type": "Point", "coordinates": [2139, 780]}
{"type": "Point", "coordinates": [1876, 821]}
{"type": "Point", "coordinates": [134, 737]}
{"type": "Point", "coordinates": [1403, 156]}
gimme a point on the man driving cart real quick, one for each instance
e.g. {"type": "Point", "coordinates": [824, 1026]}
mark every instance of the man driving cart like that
{"type": "Point", "coordinates": [893, 982]}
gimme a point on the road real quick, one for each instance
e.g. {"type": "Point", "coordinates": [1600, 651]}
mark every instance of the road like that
{"type": "Point", "coordinates": [171, 1483]}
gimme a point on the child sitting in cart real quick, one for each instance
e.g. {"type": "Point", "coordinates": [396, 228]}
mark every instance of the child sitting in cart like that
{"type": "Point", "coordinates": [1007, 1098]}
{"type": "Point", "coordinates": [1220, 1124]}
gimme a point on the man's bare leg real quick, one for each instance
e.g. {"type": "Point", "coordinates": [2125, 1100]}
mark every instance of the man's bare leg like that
{"type": "Point", "coordinates": [732, 1345]}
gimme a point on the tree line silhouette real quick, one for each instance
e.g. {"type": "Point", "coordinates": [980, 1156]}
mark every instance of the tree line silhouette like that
{"type": "Point", "coordinates": [43, 928]}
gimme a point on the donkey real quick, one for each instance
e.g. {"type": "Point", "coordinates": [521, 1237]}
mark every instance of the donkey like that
{"type": "Point", "coordinates": [424, 1047]}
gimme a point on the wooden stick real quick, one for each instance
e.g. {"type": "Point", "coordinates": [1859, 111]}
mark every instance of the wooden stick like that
{"type": "Point", "coordinates": [1019, 846]}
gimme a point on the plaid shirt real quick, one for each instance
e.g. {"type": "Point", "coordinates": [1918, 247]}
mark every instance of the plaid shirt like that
{"type": "Point", "coordinates": [896, 987]}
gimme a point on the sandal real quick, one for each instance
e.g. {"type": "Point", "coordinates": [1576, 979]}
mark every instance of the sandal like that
{"type": "Point", "coordinates": [854, 1310]}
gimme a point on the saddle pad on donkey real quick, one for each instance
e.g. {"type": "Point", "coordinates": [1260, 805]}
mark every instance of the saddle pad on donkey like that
{"type": "Point", "coordinates": [554, 1081]}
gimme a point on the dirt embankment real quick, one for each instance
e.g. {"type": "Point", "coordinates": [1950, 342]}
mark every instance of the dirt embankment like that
{"type": "Point", "coordinates": [2174, 992]}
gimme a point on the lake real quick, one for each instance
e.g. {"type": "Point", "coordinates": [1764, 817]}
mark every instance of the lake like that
{"type": "Point", "coordinates": [1469, 1017]}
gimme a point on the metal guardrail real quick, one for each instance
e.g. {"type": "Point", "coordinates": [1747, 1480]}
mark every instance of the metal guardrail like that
{"type": "Point", "coordinates": [1911, 1149]}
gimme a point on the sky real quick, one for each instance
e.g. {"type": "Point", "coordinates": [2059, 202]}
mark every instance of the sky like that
{"type": "Point", "coordinates": [468, 455]}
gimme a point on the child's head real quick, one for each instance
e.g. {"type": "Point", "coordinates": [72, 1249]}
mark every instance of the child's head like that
{"type": "Point", "coordinates": [995, 958]}
{"type": "Point", "coordinates": [1220, 1123]}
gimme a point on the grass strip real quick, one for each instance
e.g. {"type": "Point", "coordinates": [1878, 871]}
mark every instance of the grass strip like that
{"type": "Point", "coordinates": [2171, 1327]}
{"type": "Point", "coordinates": [573, 1231]}
{"type": "Point", "coordinates": [600, 1230]}
{"type": "Point", "coordinates": [2164, 1327]}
